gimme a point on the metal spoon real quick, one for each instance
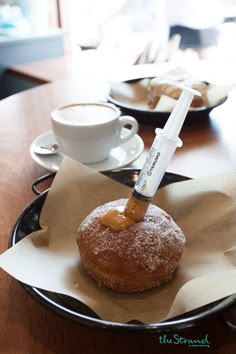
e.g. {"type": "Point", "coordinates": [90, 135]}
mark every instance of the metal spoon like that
{"type": "Point", "coordinates": [49, 149]}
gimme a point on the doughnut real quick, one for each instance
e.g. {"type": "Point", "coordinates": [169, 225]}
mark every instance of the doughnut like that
{"type": "Point", "coordinates": [141, 257]}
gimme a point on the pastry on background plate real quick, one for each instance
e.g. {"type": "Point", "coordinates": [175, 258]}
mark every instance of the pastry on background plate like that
{"type": "Point", "coordinates": [169, 86]}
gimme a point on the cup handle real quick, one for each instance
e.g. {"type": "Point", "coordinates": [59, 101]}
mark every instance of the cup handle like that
{"type": "Point", "coordinates": [124, 121]}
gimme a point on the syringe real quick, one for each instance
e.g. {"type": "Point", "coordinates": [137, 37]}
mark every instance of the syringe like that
{"type": "Point", "coordinates": [158, 158]}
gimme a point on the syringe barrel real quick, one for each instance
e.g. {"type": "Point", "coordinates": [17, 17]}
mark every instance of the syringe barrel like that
{"type": "Point", "coordinates": [155, 165]}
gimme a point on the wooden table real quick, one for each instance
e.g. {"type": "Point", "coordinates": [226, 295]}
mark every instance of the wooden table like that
{"type": "Point", "coordinates": [27, 327]}
{"type": "Point", "coordinates": [209, 145]}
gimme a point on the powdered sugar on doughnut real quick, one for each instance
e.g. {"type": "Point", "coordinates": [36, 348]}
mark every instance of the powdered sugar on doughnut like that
{"type": "Point", "coordinates": [152, 244]}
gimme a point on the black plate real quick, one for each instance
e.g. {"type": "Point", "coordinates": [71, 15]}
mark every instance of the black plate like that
{"type": "Point", "coordinates": [75, 310]}
{"type": "Point", "coordinates": [157, 118]}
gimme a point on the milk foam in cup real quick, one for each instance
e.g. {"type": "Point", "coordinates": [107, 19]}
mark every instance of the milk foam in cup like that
{"type": "Point", "coordinates": [87, 132]}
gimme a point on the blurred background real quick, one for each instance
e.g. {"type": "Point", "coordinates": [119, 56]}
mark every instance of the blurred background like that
{"type": "Point", "coordinates": [127, 31]}
{"type": "Point", "coordinates": [91, 23]}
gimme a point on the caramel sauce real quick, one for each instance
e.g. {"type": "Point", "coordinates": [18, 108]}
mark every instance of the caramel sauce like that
{"type": "Point", "coordinates": [116, 219]}
{"type": "Point", "coordinates": [136, 208]}
{"type": "Point", "coordinates": [122, 218]}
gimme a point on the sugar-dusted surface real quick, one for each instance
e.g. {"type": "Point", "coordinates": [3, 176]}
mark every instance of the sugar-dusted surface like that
{"type": "Point", "coordinates": [150, 248]}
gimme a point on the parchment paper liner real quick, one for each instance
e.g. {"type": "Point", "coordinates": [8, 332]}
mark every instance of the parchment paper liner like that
{"type": "Point", "coordinates": [204, 209]}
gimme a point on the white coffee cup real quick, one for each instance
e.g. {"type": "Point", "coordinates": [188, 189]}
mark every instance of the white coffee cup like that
{"type": "Point", "coordinates": [87, 132]}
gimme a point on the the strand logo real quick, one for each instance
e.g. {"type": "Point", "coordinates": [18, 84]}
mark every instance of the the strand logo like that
{"type": "Point", "coordinates": [190, 342]}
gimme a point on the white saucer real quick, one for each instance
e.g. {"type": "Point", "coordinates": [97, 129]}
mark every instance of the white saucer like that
{"type": "Point", "coordinates": [121, 156]}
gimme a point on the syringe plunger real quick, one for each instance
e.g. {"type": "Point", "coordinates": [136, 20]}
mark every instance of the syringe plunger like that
{"type": "Point", "coordinates": [163, 148]}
